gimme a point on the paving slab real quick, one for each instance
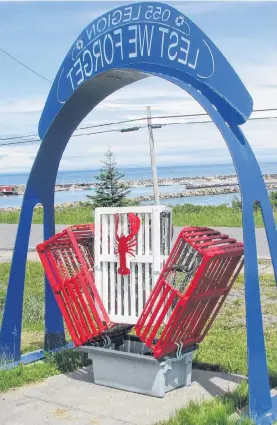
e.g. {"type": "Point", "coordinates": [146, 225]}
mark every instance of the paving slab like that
{"type": "Point", "coordinates": [73, 399]}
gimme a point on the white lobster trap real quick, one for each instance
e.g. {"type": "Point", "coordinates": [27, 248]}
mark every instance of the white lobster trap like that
{"type": "Point", "coordinates": [124, 296]}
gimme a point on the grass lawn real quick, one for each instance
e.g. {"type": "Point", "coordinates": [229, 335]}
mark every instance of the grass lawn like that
{"type": "Point", "coordinates": [68, 215]}
{"type": "Point", "coordinates": [195, 215]}
{"type": "Point", "coordinates": [32, 335]}
{"type": "Point", "coordinates": [225, 345]}
{"type": "Point", "coordinates": [224, 348]}
{"type": "Point", "coordinates": [33, 311]}
{"type": "Point", "coordinates": [219, 411]}
{"type": "Point", "coordinates": [211, 216]}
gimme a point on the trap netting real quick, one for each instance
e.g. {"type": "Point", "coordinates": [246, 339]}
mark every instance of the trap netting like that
{"type": "Point", "coordinates": [190, 291]}
{"type": "Point", "coordinates": [68, 261]}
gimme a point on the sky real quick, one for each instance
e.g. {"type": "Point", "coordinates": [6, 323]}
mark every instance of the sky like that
{"type": "Point", "coordinates": [41, 33]}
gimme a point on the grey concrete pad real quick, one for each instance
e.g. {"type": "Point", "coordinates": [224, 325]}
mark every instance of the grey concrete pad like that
{"type": "Point", "coordinates": [73, 399]}
{"type": "Point", "coordinates": [29, 411]}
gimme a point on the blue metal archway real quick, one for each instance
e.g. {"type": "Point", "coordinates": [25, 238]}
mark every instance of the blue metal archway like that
{"type": "Point", "coordinates": [123, 46]}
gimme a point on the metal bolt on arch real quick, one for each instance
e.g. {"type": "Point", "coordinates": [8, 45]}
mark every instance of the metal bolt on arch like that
{"type": "Point", "coordinates": [119, 48]}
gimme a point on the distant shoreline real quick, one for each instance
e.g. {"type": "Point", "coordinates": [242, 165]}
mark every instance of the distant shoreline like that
{"type": "Point", "coordinates": [194, 186]}
{"type": "Point", "coordinates": [196, 182]}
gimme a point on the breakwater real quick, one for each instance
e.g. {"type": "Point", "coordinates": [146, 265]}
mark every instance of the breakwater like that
{"type": "Point", "coordinates": [206, 191]}
{"type": "Point", "coordinates": [199, 192]}
{"type": "Point", "coordinates": [190, 183]}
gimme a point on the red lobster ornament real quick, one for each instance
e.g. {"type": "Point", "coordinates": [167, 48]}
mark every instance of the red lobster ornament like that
{"type": "Point", "coordinates": [125, 244]}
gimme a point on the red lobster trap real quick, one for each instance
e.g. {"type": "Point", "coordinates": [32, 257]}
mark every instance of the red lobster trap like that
{"type": "Point", "coordinates": [178, 312]}
{"type": "Point", "coordinates": [68, 261]}
{"type": "Point", "coordinates": [190, 291]}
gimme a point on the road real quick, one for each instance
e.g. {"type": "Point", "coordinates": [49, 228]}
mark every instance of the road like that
{"type": "Point", "coordinates": [8, 234]}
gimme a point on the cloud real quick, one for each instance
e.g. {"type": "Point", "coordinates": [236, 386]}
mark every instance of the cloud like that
{"type": "Point", "coordinates": [20, 106]}
{"type": "Point", "coordinates": [16, 160]}
{"type": "Point", "coordinates": [21, 103]}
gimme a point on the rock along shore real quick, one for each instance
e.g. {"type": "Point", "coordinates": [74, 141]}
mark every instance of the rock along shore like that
{"type": "Point", "coordinates": [194, 186]}
{"type": "Point", "coordinates": [191, 182]}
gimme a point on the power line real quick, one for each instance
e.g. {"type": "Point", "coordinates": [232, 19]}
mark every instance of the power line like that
{"type": "Point", "coordinates": [117, 123]}
{"type": "Point", "coordinates": [210, 121]}
{"type": "Point", "coordinates": [18, 137]}
{"type": "Point", "coordinates": [109, 123]}
{"type": "Point", "coordinates": [164, 117]}
{"type": "Point", "coordinates": [25, 66]}
{"type": "Point", "coordinates": [138, 119]}
{"type": "Point", "coordinates": [123, 130]}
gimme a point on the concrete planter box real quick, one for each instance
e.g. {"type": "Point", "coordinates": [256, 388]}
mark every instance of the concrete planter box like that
{"type": "Point", "coordinates": [130, 368]}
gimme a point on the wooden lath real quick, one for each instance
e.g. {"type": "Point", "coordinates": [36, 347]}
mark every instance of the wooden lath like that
{"type": "Point", "coordinates": [124, 296]}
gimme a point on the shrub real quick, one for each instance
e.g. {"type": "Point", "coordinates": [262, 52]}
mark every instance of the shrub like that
{"type": "Point", "coordinates": [68, 360]}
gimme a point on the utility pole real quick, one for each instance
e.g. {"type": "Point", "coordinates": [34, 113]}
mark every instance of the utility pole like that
{"type": "Point", "coordinates": [152, 154]}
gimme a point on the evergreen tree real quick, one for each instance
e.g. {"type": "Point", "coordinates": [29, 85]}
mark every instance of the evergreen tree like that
{"type": "Point", "coordinates": [273, 199]}
{"type": "Point", "coordinates": [110, 191]}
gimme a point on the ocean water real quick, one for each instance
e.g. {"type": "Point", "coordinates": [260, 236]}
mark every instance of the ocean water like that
{"type": "Point", "coordinates": [86, 176]}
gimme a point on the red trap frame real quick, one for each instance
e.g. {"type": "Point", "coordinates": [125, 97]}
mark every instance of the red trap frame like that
{"type": "Point", "coordinates": [68, 261]}
{"type": "Point", "coordinates": [190, 291]}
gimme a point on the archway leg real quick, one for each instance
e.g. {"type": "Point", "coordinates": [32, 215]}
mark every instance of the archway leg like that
{"type": "Point", "coordinates": [258, 381]}
{"type": "Point", "coordinates": [271, 233]}
{"type": "Point", "coordinates": [10, 334]}
{"type": "Point", "coordinates": [262, 196]}
{"type": "Point", "coordinates": [54, 329]}
{"type": "Point", "coordinates": [252, 188]}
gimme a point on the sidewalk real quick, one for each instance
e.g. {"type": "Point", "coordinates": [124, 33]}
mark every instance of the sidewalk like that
{"type": "Point", "coordinates": [73, 399]}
